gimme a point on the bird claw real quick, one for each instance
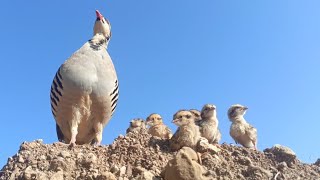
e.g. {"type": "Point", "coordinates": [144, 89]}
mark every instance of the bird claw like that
{"type": "Point", "coordinates": [72, 145]}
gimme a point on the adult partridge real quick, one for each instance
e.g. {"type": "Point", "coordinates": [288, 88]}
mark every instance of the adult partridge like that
{"type": "Point", "coordinates": [84, 91]}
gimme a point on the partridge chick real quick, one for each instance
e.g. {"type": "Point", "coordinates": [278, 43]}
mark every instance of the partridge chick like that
{"type": "Point", "coordinates": [241, 131]}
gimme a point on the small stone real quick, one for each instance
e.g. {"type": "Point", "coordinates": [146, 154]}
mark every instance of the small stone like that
{"type": "Point", "coordinates": [204, 146]}
{"type": "Point", "coordinates": [58, 164]}
{"type": "Point", "coordinates": [106, 176]}
{"type": "Point", "coordinates": [43, 157]}
{"type": "Point", "coordinates": [29, 174]}
{"type": "Point", "coordinates": [79, 155]}
{"type": "Point", "coordinates": [57, 176]}
{"type": "Point", "coordinates": [115, 169]}
{"type": "Point", "coordinates": [39, 141]}
{"type": "Point", "coordinates": [20, 159]}
{"type": "Point", "coordinates": [122, 171]}
{"type": "Point", "coordinates": [129, 170]}
{"type": "Point", "coordinates": [282, 166]}
{"type": "Point", "coordinates": [146, 175]}
{"type": "Point", "coordinates": [121, 136]}
{"type": "Point", "coordinates": [90, 160]}
{"type": "Point", "coordinates": [64, 154]}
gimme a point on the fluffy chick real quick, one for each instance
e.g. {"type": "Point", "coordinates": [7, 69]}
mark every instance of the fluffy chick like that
{"type": "Point", "coordinates": [136, 125]}
{"type": "Point", "coordinates": [157, 127]}
{"type": "Point", "coordinates": [187, 134]}
{"type": "Point", "coordinates": [196, 113]}
{"type": "Point", "coordinates": [241, 131]}
{"type": "Point", "coordinates": [209, 124]}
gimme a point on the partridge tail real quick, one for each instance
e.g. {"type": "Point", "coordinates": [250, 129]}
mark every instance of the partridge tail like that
{"type": "Point", "coordinates": [59, 133]}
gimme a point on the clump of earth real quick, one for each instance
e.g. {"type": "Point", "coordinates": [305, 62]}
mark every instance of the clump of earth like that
{"type": "Point", "coordinates": [140, 156]}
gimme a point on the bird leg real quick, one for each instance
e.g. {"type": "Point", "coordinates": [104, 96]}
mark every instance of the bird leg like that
{"type": "Point", "coordinates": [98, 136]}
{"type": "Point", "coordinates": [255, 146]}
{"type": "Point", "coordinates": [74, 132]}
{"type": "Point", "coordinates": [74, 126]}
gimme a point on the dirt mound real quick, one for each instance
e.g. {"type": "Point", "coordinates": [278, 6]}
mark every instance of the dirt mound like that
{"type": "Point", "coordinates": [141, 156]}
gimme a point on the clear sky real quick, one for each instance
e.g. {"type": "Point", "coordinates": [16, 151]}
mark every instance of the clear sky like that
{"type": "Point", "coordinates": [170, 55]}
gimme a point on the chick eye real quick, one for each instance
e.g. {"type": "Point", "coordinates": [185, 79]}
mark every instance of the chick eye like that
{"type": "Point", "coordinates": [159, 118]}
{"type": "Point", "coordinates": [188, 116]}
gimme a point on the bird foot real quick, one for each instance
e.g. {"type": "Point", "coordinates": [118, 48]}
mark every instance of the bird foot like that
{"type": "Point", "coordinates": [72, 145]}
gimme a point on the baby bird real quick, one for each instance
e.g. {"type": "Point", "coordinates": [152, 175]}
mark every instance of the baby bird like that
{"type": "Point", "coordinates": [157, 128]}
{"type": "Point", "coordinates": [136, 125]}
{"type": "Point", "coordinates": [196, 113]}
{"type": "Point", "coordinates": [240, 130]}
{"type": "Point", "coordinates": [209, 124]}
{"type": "Point", "coordinates": [187, 134]}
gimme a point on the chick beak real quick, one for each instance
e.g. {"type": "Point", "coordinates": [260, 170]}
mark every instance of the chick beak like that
{"type": "Point", "coordinates": [174, 121]}
{"type": "Point", "coordinates": [245, 108]}
{"type": "Point", "coordinates": [99, 15]}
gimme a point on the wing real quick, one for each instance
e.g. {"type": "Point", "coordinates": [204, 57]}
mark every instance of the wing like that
{"type": "Point", "coordinates": [252, 133]}
{"type": "Point", "coordinates": [217, 137]}
{"type": "Point", "coordinates": [236, 131]}
{"type": "Point", "coordinates": [168, 130]}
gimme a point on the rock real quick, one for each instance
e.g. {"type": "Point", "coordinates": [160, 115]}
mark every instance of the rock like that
{"type": "Point", "coordinates": [64, 154]}
{"type": "Point", "coordinates": [90, 160]}
{"type": "Point", "coordinates": [29, 173]}
{"type": "Point", "coordinates": [122, 171]}
{"type": "Point", "coordinates": [184, 166]}
{"type": "Point", "coordinates": [205, 146]}
{"type": "Point", "coordinates": [146, 175]}
{"type": "Point", "coordinates": [141, 156]}
{"type": "Point", "coordinates": [129, 170]}
{"type": "Point", "coordinates": [106, 176]}
{"type": "Point", "coordinates": [57, 176]}
{"type": "Point", "coordinates": [282, 166]}
{"type": "Point", "coordinates": [21, 160]}
{"type": "Point", "coordinates": [58, 164]}
{"type": "Point", "coordinates": [283, 153]}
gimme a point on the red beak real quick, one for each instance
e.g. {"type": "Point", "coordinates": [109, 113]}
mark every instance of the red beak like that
{"type": "Point", "coordinates": [99, 15]}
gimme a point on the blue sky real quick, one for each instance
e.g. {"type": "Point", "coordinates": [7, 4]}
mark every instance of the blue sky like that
{"type": "Point", "coordinates": [170, 55]}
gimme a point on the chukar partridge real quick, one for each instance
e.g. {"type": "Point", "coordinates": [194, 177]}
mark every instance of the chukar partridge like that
{"type": "Point", "coordinates": [209, 124]}
{"type": "Point", "coordinates": [241, 131]}
{"type": "Point", "coordinates": [84, 91]}
{"type": "Point", "coordinates": [136, 125]}
{"type": "Point", "coordinates": [187, 134]}
{"type": "Point", "coordinates": [157, 127]}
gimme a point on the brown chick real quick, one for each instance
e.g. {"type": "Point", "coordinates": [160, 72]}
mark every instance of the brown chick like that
{"type": "Point", "coordinates": [187, 134]}
{"type": "Point", "coordinates": [209, 124]}
{"type": "Point", "coordinates": [136, 125]}
{"type": "Point", "coordinates": [241, 131]}
{"type": "Point", "coordinates": [196, 113]}
{"type": "Point", "coordinates": [157, 128]}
